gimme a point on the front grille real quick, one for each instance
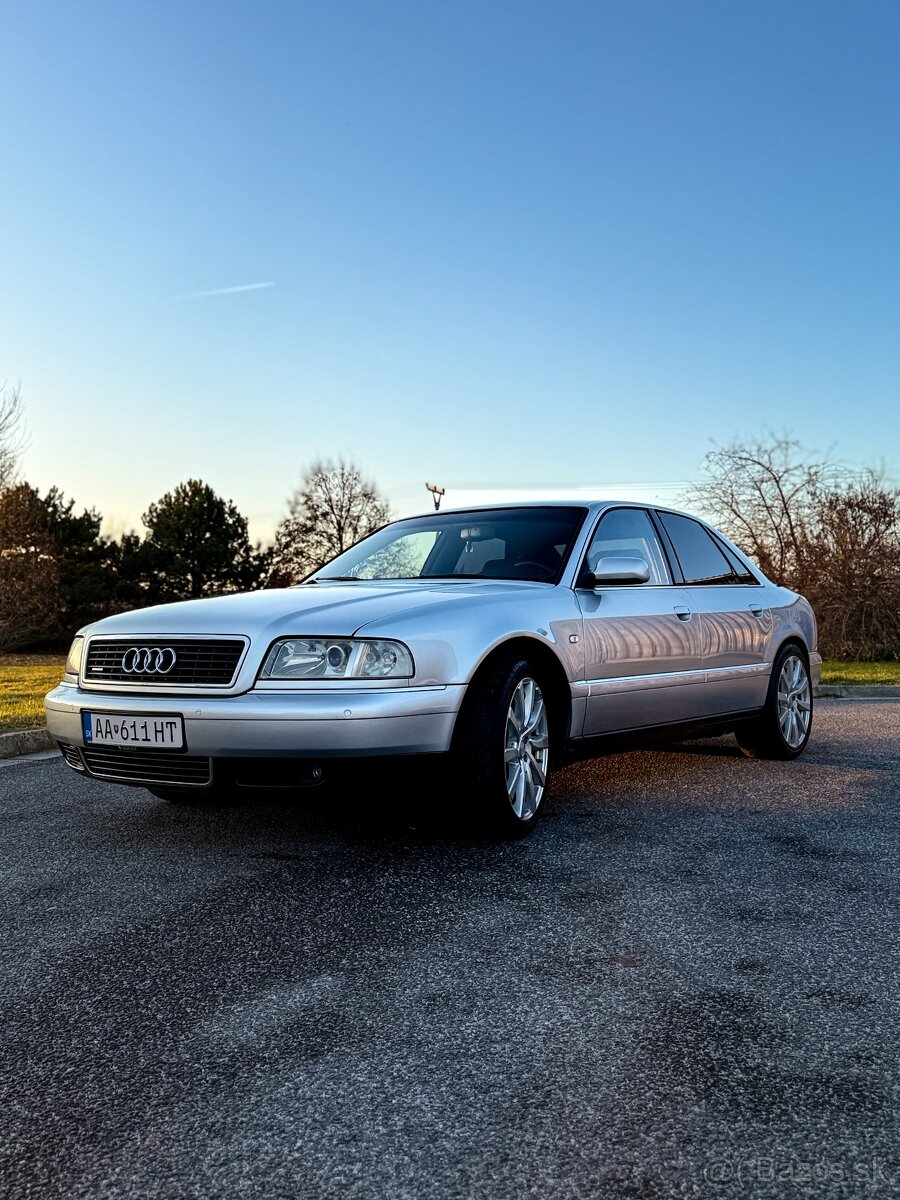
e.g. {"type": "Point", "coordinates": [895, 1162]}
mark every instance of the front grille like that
{"type": "Point", "coordinates": [199, 662]}
{"type": "Point", "coordinates": [148, 766]}
{"type": "Point", "coordinates": [71, 755]}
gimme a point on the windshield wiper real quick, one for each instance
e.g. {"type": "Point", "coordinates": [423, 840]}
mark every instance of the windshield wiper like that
{"type": "Point", "coordinates": [394, 579]}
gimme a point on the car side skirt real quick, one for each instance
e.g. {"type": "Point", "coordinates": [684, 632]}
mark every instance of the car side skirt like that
{"type": "Point", "coordinates": [578, 749]}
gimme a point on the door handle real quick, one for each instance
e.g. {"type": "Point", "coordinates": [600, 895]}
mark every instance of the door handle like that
{"type": "Point", "coordinates": [682, 613]}
{"type": "Point", "coordinates": [756, 609]}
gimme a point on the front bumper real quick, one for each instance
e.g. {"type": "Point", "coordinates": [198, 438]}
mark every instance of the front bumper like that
{"type": "Point", "coordinates": [282, 724]}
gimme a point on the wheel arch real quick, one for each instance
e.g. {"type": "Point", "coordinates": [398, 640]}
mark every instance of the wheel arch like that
{"type": "Point", "coordinates": [553, 675]}
{"type": "Point", "coordinates": [792, 639]}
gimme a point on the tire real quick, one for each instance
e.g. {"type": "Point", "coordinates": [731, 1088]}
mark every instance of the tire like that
{"type": "Point", "coordinates": [783, 728]}
{"type": "Point", "coordinates": [502, 747]}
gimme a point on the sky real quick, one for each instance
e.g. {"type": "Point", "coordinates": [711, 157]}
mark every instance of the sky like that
{"type": "Point", "coordinates": [505, 246]}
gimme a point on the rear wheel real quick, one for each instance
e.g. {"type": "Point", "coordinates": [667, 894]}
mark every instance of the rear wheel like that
{"type": "Point", "coordinates": [782, 730]}
{"type": "Point", "coordinates": [503, 747]}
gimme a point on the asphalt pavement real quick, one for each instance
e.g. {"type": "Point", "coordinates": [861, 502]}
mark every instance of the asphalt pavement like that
{"type": "Point", "coordinates": [684, 983]}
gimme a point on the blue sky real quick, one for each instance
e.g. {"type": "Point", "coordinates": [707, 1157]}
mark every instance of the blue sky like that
{"type": "Point", "coordinates": [511, 245]}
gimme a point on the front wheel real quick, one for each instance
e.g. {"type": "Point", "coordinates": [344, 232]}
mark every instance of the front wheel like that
{"type": "Point", "coordinates": [782, 729]}
{"type": "Point", "coordinates": [503, 747]}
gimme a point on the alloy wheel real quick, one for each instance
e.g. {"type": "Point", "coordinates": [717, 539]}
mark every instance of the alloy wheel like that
{"type": "Point", "coordinates": [794, 701]}
{"type": "Point", "coordinates": [526, 749]}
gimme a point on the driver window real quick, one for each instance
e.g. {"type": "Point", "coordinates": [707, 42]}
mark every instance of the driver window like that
{"type": "Point", "coordinates": [628, 532]}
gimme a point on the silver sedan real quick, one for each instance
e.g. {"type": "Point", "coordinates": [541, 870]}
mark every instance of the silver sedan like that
{"type": "Point", "coordinates": [506, 639]}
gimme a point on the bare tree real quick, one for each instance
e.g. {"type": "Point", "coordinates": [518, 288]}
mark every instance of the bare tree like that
{"type": "Point", "coordinates": [764, 496]}
{"type": "Point", "coordinates": [853, 571]}
{"type": "Point", "coordinates": [333, 508]}
{"type": "Point", "coordinates": [12, 438]}
{"type": "Point", "coordinates": [820, 529]}
{"type": "Point", "coordinates": [29, 580]}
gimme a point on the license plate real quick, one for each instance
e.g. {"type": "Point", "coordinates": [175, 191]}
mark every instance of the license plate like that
{"type": "Point", "coordinates": [114, 729]}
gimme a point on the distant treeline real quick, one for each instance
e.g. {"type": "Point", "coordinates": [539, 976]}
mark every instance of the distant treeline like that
{"type": "Point", "coordinates": [831, 534]}
{"type": "Point", "coordinates": [57, 571]}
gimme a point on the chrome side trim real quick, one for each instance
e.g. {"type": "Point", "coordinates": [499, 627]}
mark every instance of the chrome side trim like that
{"type": "Point", "coordinates": [715, 674]}
{"type": "Point", "coordinates": [643, 683]}
{"type": "Point", "coordinates": [640, 683]}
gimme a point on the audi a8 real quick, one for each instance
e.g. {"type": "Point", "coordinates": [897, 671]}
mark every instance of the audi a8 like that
{"type": "Point", "coordinates": [504, 640]}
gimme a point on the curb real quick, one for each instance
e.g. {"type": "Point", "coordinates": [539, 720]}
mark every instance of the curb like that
{"type": "Point", "coordinates": [858, 691]}
{"type": "Point", "coordinates": [25, 741]}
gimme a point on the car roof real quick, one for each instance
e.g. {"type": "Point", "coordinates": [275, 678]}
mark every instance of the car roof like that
{"type": "Point", "coordinates": [592, 504]}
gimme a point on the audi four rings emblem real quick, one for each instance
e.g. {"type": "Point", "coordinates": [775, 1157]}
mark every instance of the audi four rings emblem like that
{"type": "Point", "coordinates": [148, 660]}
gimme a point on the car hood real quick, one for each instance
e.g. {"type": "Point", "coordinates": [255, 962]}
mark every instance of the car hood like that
{"type": "Point", "coordinates": [331, 610]}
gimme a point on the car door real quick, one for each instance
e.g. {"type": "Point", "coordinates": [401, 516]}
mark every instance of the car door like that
{"type": "Point", "coordinates": [642, 649]}
{"type": "Point", "coordinates": [733, 620]}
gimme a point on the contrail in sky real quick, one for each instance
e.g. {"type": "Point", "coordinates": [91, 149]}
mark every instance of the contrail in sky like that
{"type": "Point", "coordinates": [229, 291]}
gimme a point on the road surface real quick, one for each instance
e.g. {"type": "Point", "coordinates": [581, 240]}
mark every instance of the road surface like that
{"type": "Point", "coordinates": [685, 983]}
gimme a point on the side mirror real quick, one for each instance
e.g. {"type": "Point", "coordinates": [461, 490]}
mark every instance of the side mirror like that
{"type": "Point", "coordinates": [632, 569]}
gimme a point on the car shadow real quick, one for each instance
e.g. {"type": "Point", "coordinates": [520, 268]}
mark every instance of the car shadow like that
{"type": "Point", "coordinates": [715, 749]}
{"type": "Point", "coordinates": [380, 809]}
{"type": "Point", "coordinates": [399, 807]}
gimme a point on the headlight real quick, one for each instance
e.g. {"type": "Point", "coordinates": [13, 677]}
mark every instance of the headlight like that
{"type": "Point", "coordinates": [76, 650]}
{"type": "Point", "coordinates": [337, 658]}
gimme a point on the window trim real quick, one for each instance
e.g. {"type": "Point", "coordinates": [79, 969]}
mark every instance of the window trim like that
{"type": "Point", "coordinates": [751, 579]}
{"type": "Point", "coordinates": [668, 548]}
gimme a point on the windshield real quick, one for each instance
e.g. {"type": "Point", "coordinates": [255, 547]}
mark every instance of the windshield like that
{"type": "Point", "coordinates": [493, 543]}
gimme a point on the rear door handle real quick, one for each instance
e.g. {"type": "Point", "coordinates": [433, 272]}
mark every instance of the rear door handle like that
{"type": "Point", "coordinates": [683, 614]}
{"type": "Point", "coordinates": [756, 609]}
